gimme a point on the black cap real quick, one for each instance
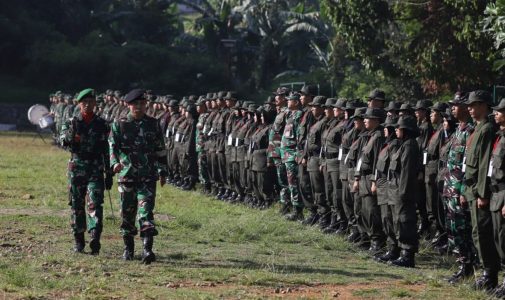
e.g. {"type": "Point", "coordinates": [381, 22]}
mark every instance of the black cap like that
{"type": "Point", "coordinates": [459, 99]}
{"type": "Point", "coordinates": [406, 107]}
{"type": "Point", "coordinates": [135, 94]}
{"type": "Point", "coordinates": [318, 101]}
{"type": "Point", "coordinates": [500, 106]}
{"type": "Point", "coordinates": [377, 94]}
{"type": "Point", "coordinates": [294, 96]}
{"type": "Point", "coordinates": [393, 106]}
{"type": "Point", "coordinates": [374, 113]}
{"type": "Point", "coordinates": [310, 90]}
{"type": "Point", "coordinates": [330, 103]}
{"type": "Point", "coordinates": [391, 121]}
{"type": "Point", "coordinates": [480, 96]}
{"type": "Point", "coordinates": [341, 103]}
{"type": "Point", "coordinates": [282, 91]}
{"type": "Point", "coordinates": [407, 122]}
{"type": "Point", "coordinates": [424, 104]}
{"type": "Point", "coordinates": [439, 106]}
{"type": "Point", "coordinates": [231, 96]}
{"type": "Point", "coordinates": [360, 113]}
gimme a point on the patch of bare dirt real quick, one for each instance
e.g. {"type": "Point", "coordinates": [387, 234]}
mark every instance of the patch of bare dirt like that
{"type": "Point", "coordinates": [317, 291]}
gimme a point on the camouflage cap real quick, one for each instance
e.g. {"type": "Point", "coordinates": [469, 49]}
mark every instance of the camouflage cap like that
{"type": "Point", "coordinates": [221, 94]}
{"type": "Point", "coordinates": [109, 92]}
{"type": "Point", "coordinates": [282, 91]}
{"type": "Point", "coordinates": [406, 107]}
{"type": "Point", "coordinates": [173, 103]}
{"type": "Point", "coordinates": [117, 94]}
{"type": "Point", "coordinates": [209, 96]}
{"type": "Point", "coordinates": [293, 96]}
{"type": "Point", "coordinates": [459, 99]}
{"type": "Point", "coordinates": [252, 108]}
{"type": "Point", "coordinates": [86, 93]}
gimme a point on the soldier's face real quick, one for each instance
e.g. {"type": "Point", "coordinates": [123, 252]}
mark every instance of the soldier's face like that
{"type": "Point", "coordinates": [477, 110]}
{"type": "Point", "coordinates": [280, 100]}
{"type": "Point", "coordinates": [87, 105]}
{"type": "Point", "coordinates": [435, 117]}
{"type": "Point", "coordinates": [499, 117]}
{"type": "Point", "coordinates": [420, 114]}
{"type": "Point", "coordinates": [138, 108]}
{"type": "Point", "coordinates": [374, 103]}
{"type": "Point", "coordinates": [328, 112]}
{"type": "Point", "coordinates": [358, 123]}
{"type": "Point", "coordinates": [316, 111]}
{"type": "Point", "coordinates": [305, 99]}
{"type": "Point", "coordinates": [292, 104]}
{"type": "Point", "coordinates": [371, 124]}
{"type": "Point", "coordinates": [399, 133]}
{"type": "Point", "coordinates": [446, 124]}
{"type": "Point", "coordinates": [386, 132]}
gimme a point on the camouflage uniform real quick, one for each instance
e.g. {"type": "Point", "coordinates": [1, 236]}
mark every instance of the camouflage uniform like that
{"type": "Point", "coordinates": [458, 224]}
{"type": "Point", "coordinates": [88, 145]}
{"type": "Point", "coordinates": [289, 153]}
{"type": "Point", "coordinates": [274, 152]}
{"type": "Point", "coordinates": [138, 146]}
{"type": "Point", "coordinates": [201, 151]}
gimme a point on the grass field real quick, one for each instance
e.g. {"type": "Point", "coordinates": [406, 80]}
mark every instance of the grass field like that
{"type": "Point", "coordinates": [206, 248]}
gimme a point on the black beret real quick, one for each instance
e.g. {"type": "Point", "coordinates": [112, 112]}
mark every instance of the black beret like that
{"type": "Point", "coordinates": [135, 94]}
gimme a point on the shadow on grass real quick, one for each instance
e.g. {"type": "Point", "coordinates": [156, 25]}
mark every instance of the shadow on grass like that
{"type": "Point", "coordinates": [252, 265]}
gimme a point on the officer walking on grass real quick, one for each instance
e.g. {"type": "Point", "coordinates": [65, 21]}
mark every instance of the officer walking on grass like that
{"type": "Point", "coordinates": [85, 136]}
{"type": "Point", "coordinates": [138, 156]}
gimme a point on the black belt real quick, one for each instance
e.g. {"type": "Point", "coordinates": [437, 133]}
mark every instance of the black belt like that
{"type": "Point", "coordinates": [331, 155]}
{"type": "Point", "coordinates": [469, 182]}
{"type": "Point", "coordinates": [495, 188]}
{"type": "Point", "coordinates": [86, 156]}
{"type": "Point", "coordinates": [315, 152]}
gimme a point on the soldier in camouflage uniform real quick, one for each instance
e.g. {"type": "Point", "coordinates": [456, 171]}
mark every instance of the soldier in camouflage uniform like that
{"type": "Point", "coordinates": [173, 107]}
{"type": "Point", "coordinates": [289, 153]}
{"type": "Point", "coordinates": [188, 155]}
{"type": "Point", "coordinates": [274, 143]}
{"type": "Point", "coordinates": [60, 109]}
{"type": "Point", "coordinates": [138, 156]}
{"type": "Point", "coordinates": [85, 136]}
{"type": "Point", "coordinates": [69, 108]}
{"type": "Point", "coordinates": [201, 151]}
{"type": "Point", "coordinates": [458, 224]}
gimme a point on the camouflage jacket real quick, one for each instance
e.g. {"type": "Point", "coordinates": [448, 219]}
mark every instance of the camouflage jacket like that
{"type": "Point", "coordinates": [199, 134]}
{"type": "Point", "coordinates": [275, 134]}
{"type": "Point", "coordinates": [289, 140]}
{"type": "Point", "coordinates": [453, 181]}
{"type": "Point", "coordinates": [88, 145]}
{"type": "Point", "coordinates": [138, 146]}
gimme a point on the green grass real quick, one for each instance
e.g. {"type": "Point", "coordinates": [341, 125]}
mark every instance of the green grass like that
{"type": "Point", "coordinates": [206, 249]}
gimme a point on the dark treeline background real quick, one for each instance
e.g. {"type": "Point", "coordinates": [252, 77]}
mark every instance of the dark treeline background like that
{"type": "Point", "coordinates": [413, 49]}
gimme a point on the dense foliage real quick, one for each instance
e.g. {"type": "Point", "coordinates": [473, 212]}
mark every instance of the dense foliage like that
{"type": "Point", "coordinates": [412, 49]}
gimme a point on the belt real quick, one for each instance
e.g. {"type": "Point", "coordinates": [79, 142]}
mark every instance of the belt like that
{"type": "Point", "coordinates": [495, 188]}
{"type": "Point", "coordinates": [469, 182]}
{"type": "Point", "coordinates": [315, 152]}
{"type": "Point", "coordinates": [331, 155]}
{"type": "Point", "coordinates": [86, 156]}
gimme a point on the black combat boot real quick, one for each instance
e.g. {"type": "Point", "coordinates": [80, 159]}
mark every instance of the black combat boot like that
{"type": "Point", "coordinates": [423, 229]}
{"type": "Point", "coordinates": [324, 221]}
{"type": "Point", "coordinates": [129, 247]}
{"type": "Point", "coordinates": [465, 270]}
{"type": "Point", "coordinates": [148, 254]}
{"type": "Point", "coordinates": [296, 215]}
{"type": "Point", "coordinates": [285, 208]}
{"type": "Point", "coordinates": [392, 254]}
{"type": "Point", "coordinates": [376, 247]}
{"type": "Point", "coordinates": [334, 224]}
{"type": "Point", "coordinates": [94, 243]}
{"type": "Point", "coordinates": [79, 242]}
{"type": "Point", "coordinates": [499, 292]}
{"type": "Point", "coordinates": [487, 281]}
{"type": "Point", "coordinates": [354, 236]}
{"type": "Point", "coordinates": [190, 184]}
{"type": "Point", "coordinates": [343, 228]}
{"type": "Point", "coordinates": [312, 219]}
{"type": "Point", "coordinates": [405, 260]}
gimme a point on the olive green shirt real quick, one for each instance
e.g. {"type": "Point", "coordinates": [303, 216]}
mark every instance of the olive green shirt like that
{"type": "Point", "coordinates": [478, 153]}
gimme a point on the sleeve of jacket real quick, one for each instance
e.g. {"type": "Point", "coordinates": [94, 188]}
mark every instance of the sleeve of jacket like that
{"type": "Point", "coordinates": [67, 133]}
{"type": "Point", "coordinates": [114, 137]}
{"type": "Point", "coordinates": [409, 170]}
{"type": "Point", "coordinates": [482, 189]}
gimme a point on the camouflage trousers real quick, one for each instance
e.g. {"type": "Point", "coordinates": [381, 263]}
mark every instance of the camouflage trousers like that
{"type": "Point", "coordinates": [86, 200]}
{"type": "Point", "coordinates": [137, 200]}
{"type": "Point", "coordinates": [459, 229]}
{"type": "Point", "coordinates": [292, 189]}
{"type": "Point", "coordinates": [282, 180]}
{"type": "Point", "coordinates": [203, 168]}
